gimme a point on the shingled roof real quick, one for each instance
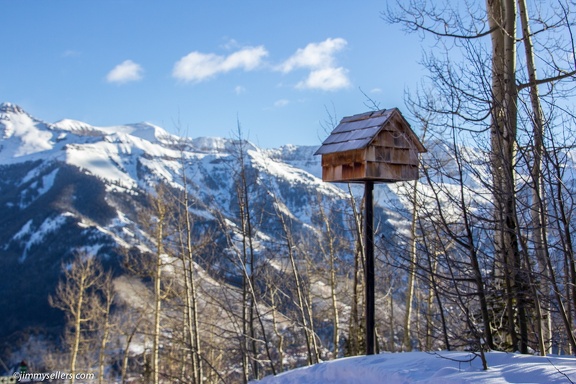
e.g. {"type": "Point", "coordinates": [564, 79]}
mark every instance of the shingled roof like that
{"type": "Point", "coordinates": [358, 131]}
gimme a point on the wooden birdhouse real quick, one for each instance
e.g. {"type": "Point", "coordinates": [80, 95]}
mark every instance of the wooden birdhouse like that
{"type": "Point", "coordinates": [376, 146]}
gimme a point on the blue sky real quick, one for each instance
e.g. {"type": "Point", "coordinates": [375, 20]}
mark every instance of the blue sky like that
{"type": "Point", "coordinates": [198, 67]}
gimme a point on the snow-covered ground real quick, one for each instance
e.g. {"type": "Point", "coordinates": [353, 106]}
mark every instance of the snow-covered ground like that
{"type": "Point", "coordinates": [438, 367]}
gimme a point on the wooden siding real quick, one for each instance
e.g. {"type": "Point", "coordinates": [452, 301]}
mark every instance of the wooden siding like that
{"type": "Point", "coordinates": [378, 146]}
{"type": "Point", "coordinates": [382, 161]}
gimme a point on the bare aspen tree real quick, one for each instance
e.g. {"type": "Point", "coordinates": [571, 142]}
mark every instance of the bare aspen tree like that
{"type": "Point", "coordinates": [160, 212]}
{"type": "Point", "coordinates": [502, 15]}
{"type": "Point", "coordinates": [126, 351]}
{"type": "Point", "coordinates": [107, 293]}
{"type": "Point", "coordinates": [355, 330]}
{"type": "Point", "coordinates": [413, 259]}
{"type": "Point", "coordinates": [433, 293]}
{"type": "Point", "coordinates": [407, 341]}
{"type": "Point", "coordinates": [329, 237]}
{"type": "Point", "coordinates": [486, 87]}
{"type": "Point", "coordinates": [76, 295]}
{"type": "Point", "coordinates": [565, 204]}
{"type": "Point", "coordinates": [248, 259]}
{"type": "Point", "coordinates": [148, 263]}
{"type": "Point", "coordinates": [274, 293]}
{"type": "Point", "coordinates": [188, 247]}
{"type": "Point", "coordinates": [251, 318]}
{"type": "Point", "coordinates": [302, 301]}
{"type": "Point", "coordinates": [538, 208]}
{"type": "Point", "coordinates": [310, 312]}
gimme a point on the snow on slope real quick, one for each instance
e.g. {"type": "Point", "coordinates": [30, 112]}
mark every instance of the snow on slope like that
{"type": "Point", "coordinates": [301, 157]}
{"type": "Point", "coordinates": [110, 152]}
{"type": "Point", "coordinates": [130, 158]}
{"type": "Point", "coordinates": [434, 368]}
{"type": "Point", "coordinates": [145, 131]}
{"type": "Point", "coordinates": [37, 235]}
{"type": "Point", "coordinates": [21, 134]}
{"type": "Point", "coordinates": [134, 156]}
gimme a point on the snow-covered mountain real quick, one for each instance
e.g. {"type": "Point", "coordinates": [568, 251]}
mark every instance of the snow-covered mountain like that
{"type": "Point", "coordinates": [70, 186]}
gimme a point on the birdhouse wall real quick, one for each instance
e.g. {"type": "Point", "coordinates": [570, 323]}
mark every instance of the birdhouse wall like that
{"type": "Point", "coordinates": [391, 172]}
{"type": "Point", "coordinates": [344, 166]}
{"type": "Point", "coordinates": [408, 156]}
{"type": "Point", "coordinates": [370, 164]}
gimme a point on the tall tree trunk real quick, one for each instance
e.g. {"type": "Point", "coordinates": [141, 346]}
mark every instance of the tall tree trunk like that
{"type": "Point", "coordinates": [411, 272]}
{"type": "Point", "coordinates": [538, 209]}
{"type": "Point", "coordinates": [160, 213]}
{"type": "Point", "coordinates": [279, 334]}
{"type": "Point", "coordinates": [564, 228]}
{"type": "Point", "coordinates": [251, 314]}
{"type": "Point", "coordinates": [502, 19]}
{"type": "Point", "coordinates": [433, 293]}
{"type": "Point", "coordinates": [471, 248]}
{"type": "Point", "coordinates": [190, 289]}
{"type": "Point", "coordinates": [108, 293]}
{"type": "Point", "coordinates": [413, 259]}
{"type": "Point", "coordinates": [77, 332]}
{"type": "Point", "coordinates": [331, 255]}
{"type": "Point", "coordinates": [356, 321]}
{"type": "Point", "coordinates": [290, 245]}
{"type": "Point", "coordinates": [157, 306]}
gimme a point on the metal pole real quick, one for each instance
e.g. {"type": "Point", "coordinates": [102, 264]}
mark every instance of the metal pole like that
{"type": "Point", "coordinates": [369, 273]}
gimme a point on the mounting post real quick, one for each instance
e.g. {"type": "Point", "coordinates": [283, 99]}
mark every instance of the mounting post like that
{"type": "Point", "coordinates": [369, 272]}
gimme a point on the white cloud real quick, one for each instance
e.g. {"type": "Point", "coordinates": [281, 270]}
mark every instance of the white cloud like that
{"type": "Point", "coordinates": [320, 59]}
{"type": "Point", "coordinates": [248, 59]}
{"type": "Point", "coordinates": [239, 89]}
{"type": "Point", "coordinates": [314, 55]}
{"type": "Point", "coordinates": [125, 72]}
{"type": "Point", "coordinates": [197, 66]}
{"type": "Point", "coordinates": [326, 79]}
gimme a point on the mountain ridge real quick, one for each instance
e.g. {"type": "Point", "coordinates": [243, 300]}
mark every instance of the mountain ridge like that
{"type": "Point", "coordinates": [70, 186]}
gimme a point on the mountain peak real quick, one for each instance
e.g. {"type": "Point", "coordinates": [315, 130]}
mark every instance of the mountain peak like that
{"type": "Point", "coordinates": [21, 134]}
{"type": "Point", "coordinates": [11, 108]}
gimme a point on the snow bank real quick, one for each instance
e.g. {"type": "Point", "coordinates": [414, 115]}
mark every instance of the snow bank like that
{"type": "Point", "coordinates": [434, 368]}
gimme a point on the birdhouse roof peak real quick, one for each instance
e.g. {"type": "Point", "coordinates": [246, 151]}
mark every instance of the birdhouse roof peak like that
{"type": "Point", "coordinates": [368, 115]}
{"type": "Point", "coordinates": [358, 131]}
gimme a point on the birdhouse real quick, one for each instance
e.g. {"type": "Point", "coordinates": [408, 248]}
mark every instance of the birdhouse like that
{"type": "Point", "coordinates": [376, 146]}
